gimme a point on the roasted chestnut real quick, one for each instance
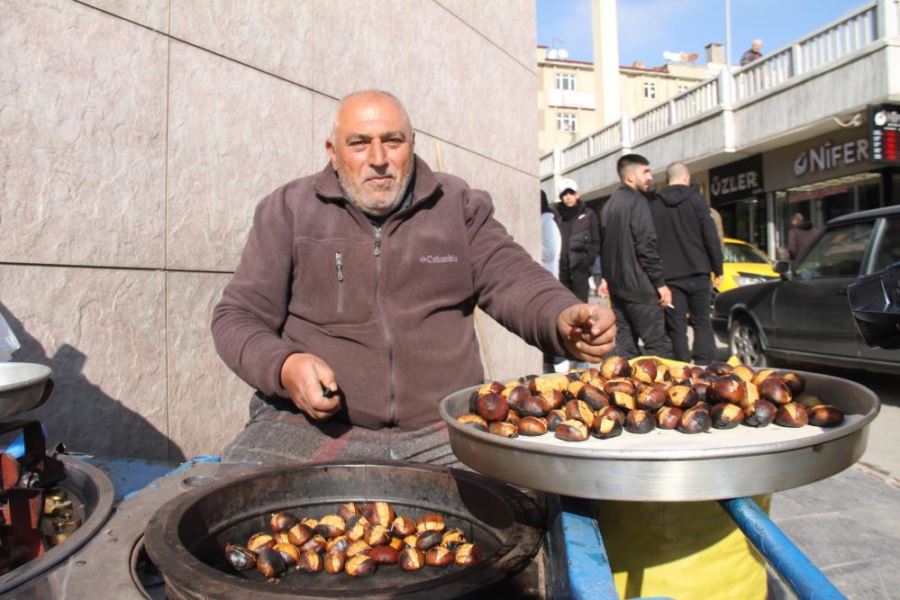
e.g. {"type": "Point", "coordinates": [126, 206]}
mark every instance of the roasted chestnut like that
{"type": "Point", "coordinates": [492, 407]}
{"type": "Point", "coordinates": [348, 509]}
{"type": "Point", "coordinates": [532, 426]}
{"type": "Point", "coordinates": [700, 388]}
{"type": "Point", "coordinates": [572, 430]}
{"type": "Point", "coordinates": [552, 382]}
{"type": "Point", "coordinates": [299, 534]}
{"type": "Point", "coordinates": [310, 561]}
{"type": "Point", "coordinates": [775, 390]}
{"type": "Point", "coordinates": [650, 398]}
{"type": "Point", "coordinates": [640, 421]}
{"type": "Point", "coordinates": [309, 522]}
{"type": "Point", "coordinates": [612, 412]}
{"type": "Point", "coordinates": [744, 372]}
{"type": "Point", "coordinates": [554, 418]}
{"type": "Point", "coordinates": [727, 388]}
{"type": "Point", "coordinates": [289, 552]}
{"type": "Point", "coordinates": [403, 526]}
{"type": "Point", "coordinates": [341, 542]}
{"type": "Point", "coordinates": [504, 429]}
{"type": "Point", "coordinates": [574, 388]}
{"type": "Point", "coordinates": [316, 543]}
{"type": "Point", "coordinates": [356, 528]}
{"type": "Point", "coordinates": [428, 539]}
{"type": "Point", "coordinates": [281, 538]}
{"type": "Point", "coordinates": [334, 561]}
{"type": "Point", "coordinates": [512, 418]}
{"type": "Point", "coordinates": [594, 396]}
{"type": "Point", "coordinates": [358, 547]}
{"type": "Point", "coordinates": [453, 538]}
{"type": "Point", "coordinates": [726, 415]}
{"type": "Point", "coordinates": [411, 559]}
{"type": "Point", "coordinates": [439, 556]}
{"type": "Point", "coordinates": [807, 401]}
{"type": "Point", "coordinates": [825, 415]}
{"type": "Point", "coordinates": [791, 415]}
{"type": "Point", "coordinates": [553, 398]}
{"type": "Point", "coordinates": [694, 420]}
{"type": "Point", "coordinates": [411, 540]}
{"type": "Point", "coordinates": [516, 395]}
{"type": "Point", "coordinates": [270, 563]}
{"type": "Point", "coordinates": [378, 535]}
{"type": "Point", "coordinates": [491, 387]}
{"type": "Point", "coordinates": [379, 513]}
{"type": "Point", "coordinates": [240, 558]}
{"type": "Point", "coordinates": [579, 410]}
{"type": "Point", "coordinates": [682, 396]}
{"type": "Point", "coordinates": [472, 420]}
{"type": "Point", "coordinates": [360, 566]}
{"type": "Point", "coordinates": [626, 386]}
{"type": "Point", "coordinates": [384, 555]}
{"type": "Point", "coordinates": [468, 554]}
{"type": "Point", "coordinates": [680, 374]}
{"type": "Point", "coordinates": [606, 427]}
{"type": "Point", "coordinates": [430, 522]}
{"type": "Point", "coordinates": [615, 366]}
{"type": "Point", "coordinates": [331, 526]}
{"type": "Point", "coordinates": [281, 521]}
{"type": "Point", "coordinates": [533, 406]}
{"type": "Point", "coordinates": [760, 413]}
{"type": "Point", "coordinates": [717, 368]}
{"type": "Point", "coordinates": [762, 375]}
{"type": "Point", "coordinates": [795, 382]}
{"type": "Point", "coordinates": [668, 417]}
{"type": "Point", "coordinates": [644, 369]}
{"type": "Point", "coordinates": [260, 541]}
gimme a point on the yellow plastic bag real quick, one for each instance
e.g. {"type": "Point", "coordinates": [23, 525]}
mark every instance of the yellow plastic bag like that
{"type": "Point", "coordinates": [683, 550]}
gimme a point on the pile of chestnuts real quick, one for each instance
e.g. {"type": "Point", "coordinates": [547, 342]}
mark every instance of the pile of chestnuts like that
{"type": "Point", "coordinates": [643, 395]}
{"type": "Point", "coordinates": [355, 540]}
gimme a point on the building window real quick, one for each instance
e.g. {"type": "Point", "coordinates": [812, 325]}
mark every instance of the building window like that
{"type": "Point", "coordinates": [565, 122]}
{"type": "Point", "coordinates": [565, 81]}
{"type": "Point", "coordinates": [683, 87]}
{"type": "Point", "coordinates": [649, 90]}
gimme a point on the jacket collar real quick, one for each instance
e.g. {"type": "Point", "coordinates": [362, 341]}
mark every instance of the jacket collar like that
{"type": "Point", "coordinates": [425, 182]}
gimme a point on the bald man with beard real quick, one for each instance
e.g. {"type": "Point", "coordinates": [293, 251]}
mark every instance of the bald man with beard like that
{"type": "Point", "coordinates": [352, 309]}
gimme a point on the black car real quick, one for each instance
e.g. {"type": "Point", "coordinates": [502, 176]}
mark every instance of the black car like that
{"type": "Point", "coordinates": [805, 316]}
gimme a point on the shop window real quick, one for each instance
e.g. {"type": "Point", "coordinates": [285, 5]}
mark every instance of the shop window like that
{"type": "Point", "coordinates": [837, 253]}
{"type": "Point", "coordinates": [889, 246]}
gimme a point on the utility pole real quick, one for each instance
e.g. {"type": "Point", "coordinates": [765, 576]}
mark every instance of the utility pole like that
{"type": "Point", "coordinates": [728, 32]}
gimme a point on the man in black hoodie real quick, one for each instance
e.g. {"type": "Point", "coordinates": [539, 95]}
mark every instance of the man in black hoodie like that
{"type": "Point", "coordinates": [631, 266]}
{"type": "Point", "coordinates": [691, 251]}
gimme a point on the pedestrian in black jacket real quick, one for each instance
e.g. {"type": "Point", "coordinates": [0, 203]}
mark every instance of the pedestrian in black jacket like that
{"type": "Point", "coordinates": [632, 269]}
{"type": "Point", "coordinates": [580, 232]}
{"type": "Point", "coordinates": [691, 251]}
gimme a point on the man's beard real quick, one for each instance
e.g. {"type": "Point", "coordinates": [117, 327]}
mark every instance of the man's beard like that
{"type": "Point", "coordinates": [369, 204]}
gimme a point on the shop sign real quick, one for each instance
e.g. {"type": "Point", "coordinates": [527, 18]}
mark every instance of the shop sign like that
{"type": "Point", "coordinates": [829, 155]}
{"type": "Point", "coordinates": [736, 181]}
{"type": "Point", "coordinates": [885, 120]}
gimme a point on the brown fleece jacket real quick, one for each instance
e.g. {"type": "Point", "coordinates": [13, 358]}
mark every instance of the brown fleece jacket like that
{"type": "Point", "coordinates": [389, 308]}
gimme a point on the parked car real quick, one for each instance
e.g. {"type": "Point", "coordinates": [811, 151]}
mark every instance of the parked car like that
{"type": "Point", "coordinates": [804, 316]}
{"type": "Point", "coordinates": [743, 264]}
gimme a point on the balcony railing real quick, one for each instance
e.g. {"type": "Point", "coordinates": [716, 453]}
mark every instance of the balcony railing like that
{"type": "Point", "coordinates": [814, 51]}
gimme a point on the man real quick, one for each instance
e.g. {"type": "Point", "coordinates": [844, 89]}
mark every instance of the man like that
{"type": "Point", "coordinates": [754, 53]}
{"type": "Point", "coordinates": [800, 236]}
{"type": "Point", "coordinates": [580, 231]}
{"type": "Point", "coordinates": [691, 251]}
{"type": "Point", "coordinates": [632, 269]}
{"type": "Point", "coordinates": [351, 311]}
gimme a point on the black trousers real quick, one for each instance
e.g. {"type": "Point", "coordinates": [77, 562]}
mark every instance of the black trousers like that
{"type": "Point", "coordinates": [642, 321]}
{"type": "Point", "coordinates": [691, 297]}
{"type": "Point", "coordinates": [577, 282]}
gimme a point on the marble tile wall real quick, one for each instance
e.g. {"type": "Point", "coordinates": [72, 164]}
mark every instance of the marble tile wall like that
{"type": "Point", "coordinates": [136, 137]}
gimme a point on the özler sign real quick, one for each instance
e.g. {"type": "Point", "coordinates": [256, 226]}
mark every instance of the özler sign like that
{"type": "Point", "coordinates": [736, 181]}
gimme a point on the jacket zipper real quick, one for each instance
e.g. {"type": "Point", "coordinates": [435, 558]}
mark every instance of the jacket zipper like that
{"type": "Point", "coordinates": [339, 267]}
{"type": "Point", "coordinates": [387, 332]}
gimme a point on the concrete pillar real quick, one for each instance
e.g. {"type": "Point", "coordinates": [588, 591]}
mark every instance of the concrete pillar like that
{"type": "Point", "coordinates": [606, 61]}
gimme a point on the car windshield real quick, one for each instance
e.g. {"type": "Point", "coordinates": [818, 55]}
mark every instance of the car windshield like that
{"type": "Point", "coordinates": [837, 253]}
{"type": "Point", "coordinates": [743, 253]}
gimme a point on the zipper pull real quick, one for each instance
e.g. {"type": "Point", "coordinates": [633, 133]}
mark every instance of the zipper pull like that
{"type": "Point", "coordinates": [339, 265]}
{"type": "Point", "coordinates": [378, 241]}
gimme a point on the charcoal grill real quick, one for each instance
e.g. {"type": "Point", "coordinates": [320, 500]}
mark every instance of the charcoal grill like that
{"type": "Point", "coordinates": [186, 537]}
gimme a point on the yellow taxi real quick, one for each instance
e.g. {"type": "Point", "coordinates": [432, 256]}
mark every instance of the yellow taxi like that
{"type": "Point", "coordinates": [743, 264]}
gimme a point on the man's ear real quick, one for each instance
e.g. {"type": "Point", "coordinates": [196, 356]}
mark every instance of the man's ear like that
{"type": "Point", "coordinates": [332, 153]}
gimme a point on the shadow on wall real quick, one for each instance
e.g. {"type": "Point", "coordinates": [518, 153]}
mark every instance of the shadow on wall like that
{"type": "Point", "coordinates": [81, 415]}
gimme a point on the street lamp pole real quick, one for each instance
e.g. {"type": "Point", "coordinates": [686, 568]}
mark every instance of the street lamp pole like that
{"type": "Point", "coordinates": [728, 31]}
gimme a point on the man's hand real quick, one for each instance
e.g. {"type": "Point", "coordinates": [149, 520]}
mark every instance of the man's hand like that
{"type": "Point", "coordinates": [307, 377]}
{"type": "Point", "coordinates": [603, 289]}
{"type": "Point", "coordinates": [665, 296]}
{"type": "Point", "coordinates": [717, 281]}
{"type": "Point", "coordinates": [588, 330]}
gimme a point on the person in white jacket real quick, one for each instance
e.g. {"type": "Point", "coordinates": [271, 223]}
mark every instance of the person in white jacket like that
{"type": "Point", "coordinates": [551, 241]}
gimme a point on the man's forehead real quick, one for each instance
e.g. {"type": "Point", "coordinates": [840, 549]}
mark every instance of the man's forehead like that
{"type": "Point", "coordinates": [372, 114]}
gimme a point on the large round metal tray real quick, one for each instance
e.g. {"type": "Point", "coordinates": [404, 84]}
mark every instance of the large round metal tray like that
{"type": "Point", "coordinates": [23, 386]}
{"type": "Point", "coordinates": [186, 537]}
{"type": "Point", "coordinates": [673, 466]}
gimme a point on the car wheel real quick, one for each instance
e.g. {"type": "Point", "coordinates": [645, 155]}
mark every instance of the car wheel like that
{"type": "Point", "coordinates": [745, 343]}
